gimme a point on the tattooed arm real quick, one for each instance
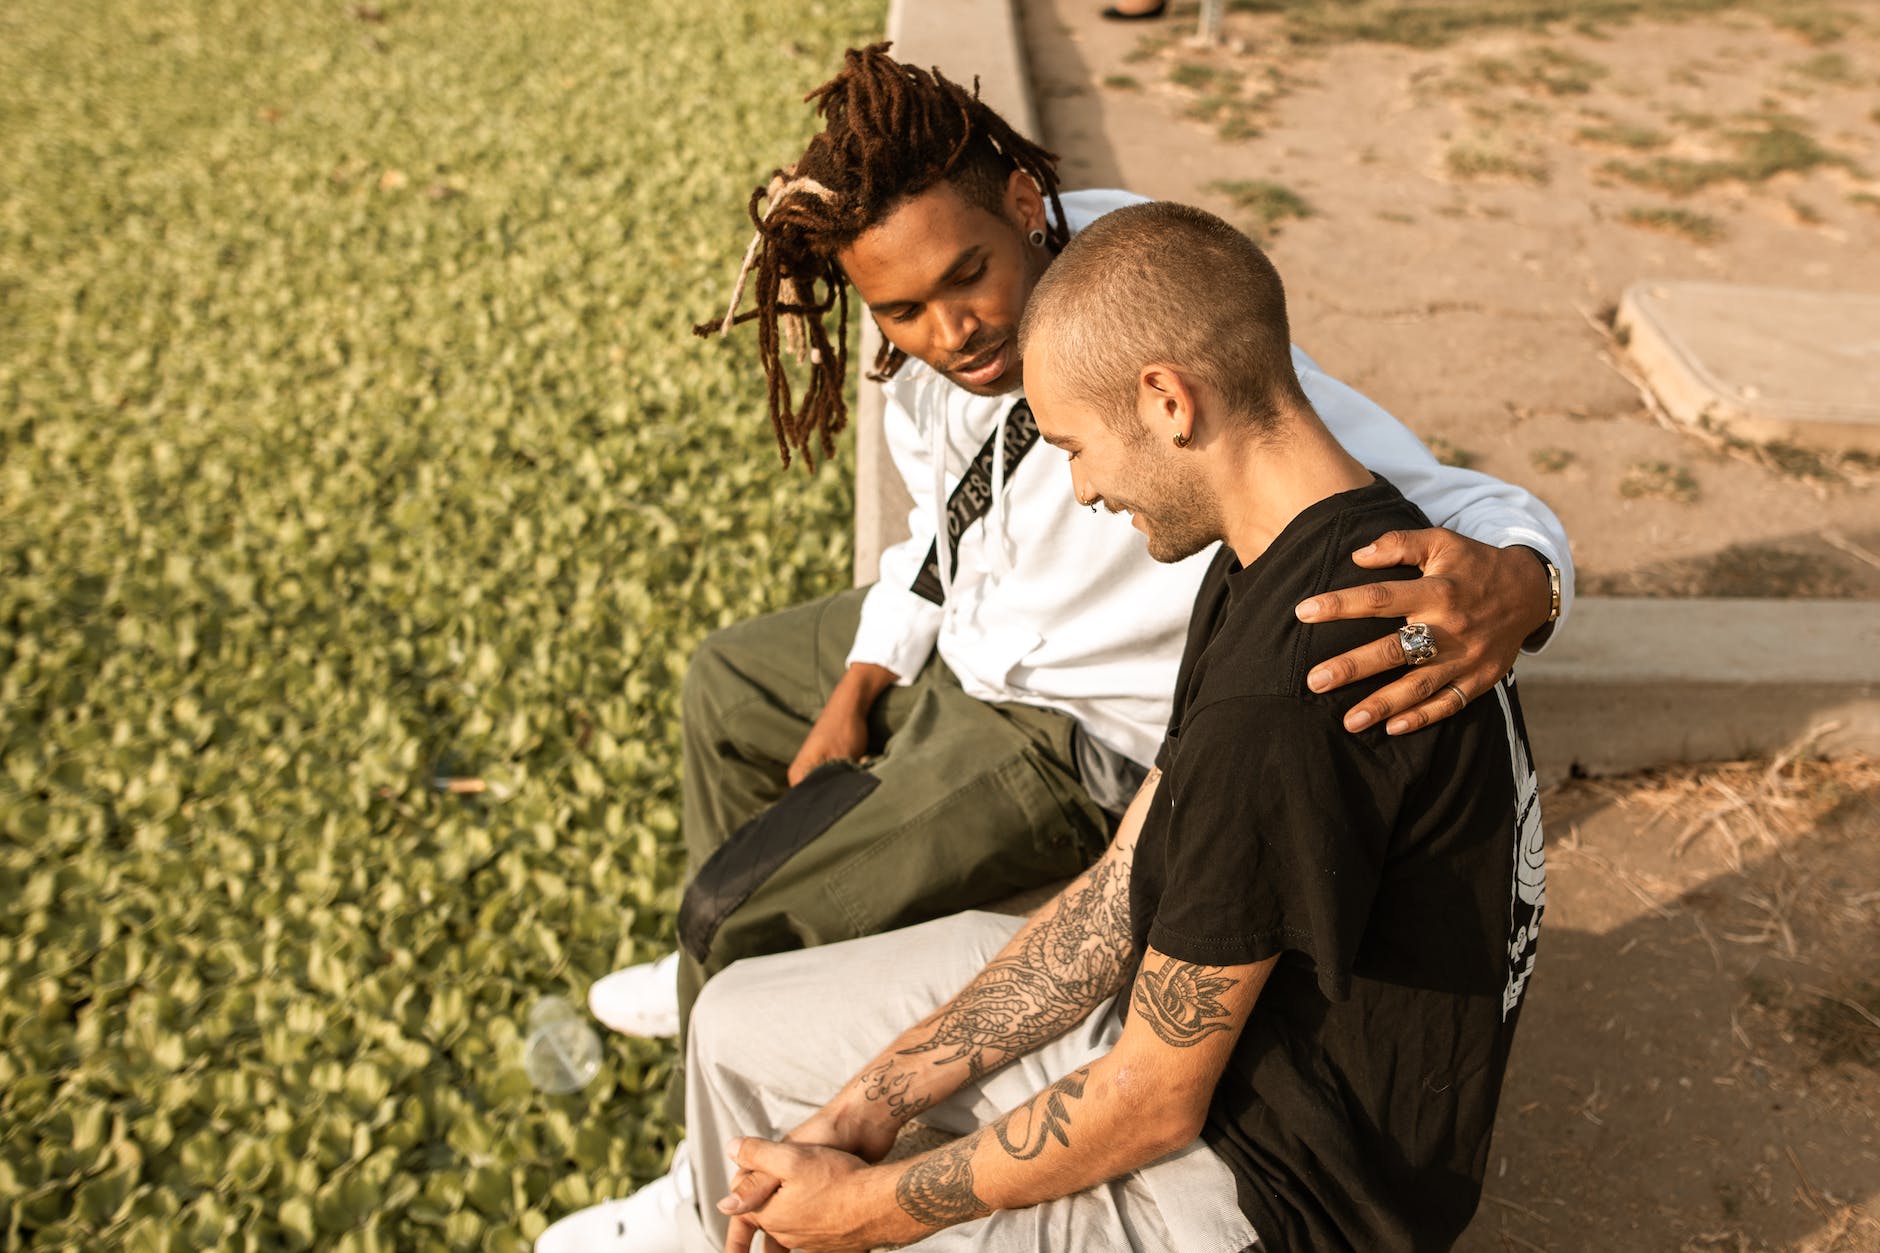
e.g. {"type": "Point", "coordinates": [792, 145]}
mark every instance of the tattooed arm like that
{"type": "Point", "coordinates": [1069, 958]}
{"type": "Point", "coordinates": [1144, 1099]}
{"type": "Point", "coordinates": [1065, 961]}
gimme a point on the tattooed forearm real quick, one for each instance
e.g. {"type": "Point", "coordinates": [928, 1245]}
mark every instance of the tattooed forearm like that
{"type": "Point", "coordinates": [888, 1083]}
{"type": "Point", "coordinates": [1181, 1001]}
{"type": "Point", "coordinates": [937, 1190]}
{"type": "Point", "coordinates": [1025, 1131]}
{"type": "Point", "coordinates": [1064, 968]}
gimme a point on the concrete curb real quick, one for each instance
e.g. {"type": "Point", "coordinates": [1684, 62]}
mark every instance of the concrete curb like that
{"type": "Point", "coordinates": [1637, 683]}
{"type": "Point", "coordinates": [1630, 684]}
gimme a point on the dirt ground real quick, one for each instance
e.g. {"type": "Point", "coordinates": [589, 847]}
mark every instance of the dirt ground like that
{"type": "Point", "coordinates": [1699, 1068]}
{"type": "Point", "coordinates": [1472, 212]}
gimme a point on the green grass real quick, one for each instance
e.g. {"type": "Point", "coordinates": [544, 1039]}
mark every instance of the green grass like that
{"type": "Point", "coordinates": [1122, 82]}
{"type": "Point", "coordinates": [1699, 228]}
{"type": "Point", "coordinates": [1770, 144]}
{"type": "Point", "coordinates": [1263, 205]}
{"type": "Point", "coordinates": [1551, 460]}
{"type": "Point", "coordinates": [351, 431]}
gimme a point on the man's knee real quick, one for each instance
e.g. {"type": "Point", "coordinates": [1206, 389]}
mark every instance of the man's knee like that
{"type": "Point", "coordinates": [707, 673]}
{"type": "Point", "coordinates": [735, 1007]}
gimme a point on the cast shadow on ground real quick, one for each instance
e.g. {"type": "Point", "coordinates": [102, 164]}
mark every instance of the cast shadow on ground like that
{"type": "Point", "coordinates": [1705, 1074]}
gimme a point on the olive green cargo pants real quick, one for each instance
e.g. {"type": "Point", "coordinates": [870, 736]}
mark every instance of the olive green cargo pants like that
{"type": "Point", "coordinates": [974, 801]}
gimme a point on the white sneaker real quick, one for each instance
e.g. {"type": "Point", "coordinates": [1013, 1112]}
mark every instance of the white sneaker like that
{"type": "Point", "coordinates": [649, 1221]}
{"type": "Point", "coordinates": [641, 1000]}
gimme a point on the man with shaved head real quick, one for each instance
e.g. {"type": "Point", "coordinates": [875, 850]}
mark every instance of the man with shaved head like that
{"type": "Point", "coordinates": [1277, 1012]}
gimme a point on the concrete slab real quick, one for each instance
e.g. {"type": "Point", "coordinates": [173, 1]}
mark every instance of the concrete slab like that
{"type": "Point", "coordinates": [1765, 364]}
{"type": "Point", "coordinates": [1635, 683]}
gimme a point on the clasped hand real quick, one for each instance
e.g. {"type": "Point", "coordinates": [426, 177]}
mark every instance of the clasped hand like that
{"type": "Point", "coordinates": [793, 1190]}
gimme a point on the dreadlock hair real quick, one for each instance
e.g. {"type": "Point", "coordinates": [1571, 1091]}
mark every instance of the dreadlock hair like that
{"type": "Point", "coordinates": [890, 132]}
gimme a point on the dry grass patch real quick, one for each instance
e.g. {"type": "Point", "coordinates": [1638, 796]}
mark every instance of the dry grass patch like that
{"type": "Point", "coordinates": [1223, 98]}
{"type": "Point", "coordinates": [1450, 453]}
{"type": "Point", "coordinates": [1436, 23]}
{"type": "Point", "coordinates": [1660, 480]}
{"type": "Point", "coordinates": [1831, 68]}
{"type": "Point", "coordinates": [1699, 228]}
{"type": "Point", "coordinates": [1542, 69]}
{"type": "Point", "coordinates": [1770, 144]}
{"type": "Point", "coordinates": [1477, 161]}
{"type": "Point", "coordinates": [1624, 135]}
{"type": "Point", "coordinates": [1263, 205]}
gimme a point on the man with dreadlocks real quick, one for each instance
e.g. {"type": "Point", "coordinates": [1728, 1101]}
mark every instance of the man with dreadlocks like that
{"type": "Point", "coordinates": [1008, 679]}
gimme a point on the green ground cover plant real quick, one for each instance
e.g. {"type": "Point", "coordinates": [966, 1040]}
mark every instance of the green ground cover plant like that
{"type": "Point", "coordinates": [352, 434]}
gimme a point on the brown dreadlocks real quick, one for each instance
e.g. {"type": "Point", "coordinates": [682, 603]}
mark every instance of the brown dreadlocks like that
{"type": "Point", "coordinates": [890, 132]}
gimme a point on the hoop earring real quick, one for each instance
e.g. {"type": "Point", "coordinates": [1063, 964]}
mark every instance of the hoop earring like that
{"type": "Point", "coordinates": [1181, 441]}
{"type": "Point", "coordinates": [1036, 237]}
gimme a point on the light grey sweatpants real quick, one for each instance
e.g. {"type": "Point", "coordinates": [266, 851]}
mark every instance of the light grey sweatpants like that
{"type": "Point", "coordinates": [774, 1037]}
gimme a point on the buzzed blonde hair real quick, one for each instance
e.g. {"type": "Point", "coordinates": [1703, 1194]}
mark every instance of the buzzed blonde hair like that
{"type": "Point", "coordinates": [1169, 283]}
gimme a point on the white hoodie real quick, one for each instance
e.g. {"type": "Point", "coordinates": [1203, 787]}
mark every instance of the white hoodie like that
{"type": "Point", "coordinates": [1053, 605]}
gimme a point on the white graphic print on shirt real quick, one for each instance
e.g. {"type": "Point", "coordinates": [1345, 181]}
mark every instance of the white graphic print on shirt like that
{"type": "Point", "coordinates": [1529, 894]}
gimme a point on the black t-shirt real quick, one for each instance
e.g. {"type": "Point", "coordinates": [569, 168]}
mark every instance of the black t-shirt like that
{"type": "Point", "coordinates": [1398, 879]}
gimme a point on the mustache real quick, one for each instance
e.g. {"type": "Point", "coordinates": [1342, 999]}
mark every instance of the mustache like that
{"type": "Point", "coordinates": [977, 351]}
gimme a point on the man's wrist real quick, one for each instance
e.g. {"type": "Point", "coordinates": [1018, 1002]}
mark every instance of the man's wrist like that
{"type": "Point", "coordinates": [891, 1223]}
{"type": "Point", "coordinates": [1550, 584]}
{"type": "Point", "coordinates": [861, 685]}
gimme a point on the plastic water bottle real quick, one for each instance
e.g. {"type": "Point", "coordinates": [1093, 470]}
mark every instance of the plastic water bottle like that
{"type": "Point", "coordinates": [563, 1051]}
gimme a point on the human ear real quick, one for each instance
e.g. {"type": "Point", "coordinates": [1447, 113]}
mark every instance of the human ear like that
{"type": "Point", "coordinates": [1166, 404]}
{"type": "Point", "coordinates": [1024, 204]}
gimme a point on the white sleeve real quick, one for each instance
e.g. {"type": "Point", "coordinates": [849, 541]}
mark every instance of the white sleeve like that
{"type": "Point", "coordinates": [898, 627]}
{"type": "Point", "coordinates": [1465, 501]}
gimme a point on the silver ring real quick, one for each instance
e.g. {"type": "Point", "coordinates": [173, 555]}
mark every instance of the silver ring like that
{"type": "Point", "coordinates": [1418, 646]}
{"type": "Point", "coordinates": [1460, 694]}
